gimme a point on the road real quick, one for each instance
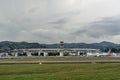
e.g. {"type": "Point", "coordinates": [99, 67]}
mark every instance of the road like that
{"type": "Point", "coordinates": [59, 62]}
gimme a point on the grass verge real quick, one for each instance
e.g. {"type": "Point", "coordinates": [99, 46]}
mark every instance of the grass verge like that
{"type": "Point", "coordinates": [60, 72]}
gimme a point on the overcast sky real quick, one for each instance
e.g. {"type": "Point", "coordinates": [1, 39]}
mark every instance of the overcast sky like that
{"type": "Point", "coordinates": [50, 21]}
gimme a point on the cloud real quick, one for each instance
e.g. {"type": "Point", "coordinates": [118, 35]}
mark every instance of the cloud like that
{"type": "Point", "coordinates": [104, 29]}
{"type": "Point", "coordinates": [49, 21]}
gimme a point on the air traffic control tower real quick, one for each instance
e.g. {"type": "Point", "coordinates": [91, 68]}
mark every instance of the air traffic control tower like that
{"type": "Point", "coordinates": [61, 47]}
{"type": "Point", "coordinates": [61, 44]}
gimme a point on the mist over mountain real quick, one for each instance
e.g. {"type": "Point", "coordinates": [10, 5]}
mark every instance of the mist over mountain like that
{"type": "Point", "coordinates": [14, 45]}
{"type": "Point", "coordinates": [104, 44]}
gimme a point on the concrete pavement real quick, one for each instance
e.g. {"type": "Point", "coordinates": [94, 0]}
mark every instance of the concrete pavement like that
{"type": "Point", "coordinates": [59, 62]}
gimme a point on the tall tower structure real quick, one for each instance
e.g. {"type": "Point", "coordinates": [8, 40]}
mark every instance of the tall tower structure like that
{"type": "Point", "coordinates": [61, 44]}
{"type": "Point", "coordinates": [61, 50]}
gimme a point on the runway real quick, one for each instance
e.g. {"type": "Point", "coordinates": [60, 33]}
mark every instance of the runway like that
{"type": "Point", "coordinates": [60, 62]}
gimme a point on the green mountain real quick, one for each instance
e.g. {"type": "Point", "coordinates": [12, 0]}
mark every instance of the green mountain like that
{"type": "Point", "coordinates": [5, 45]}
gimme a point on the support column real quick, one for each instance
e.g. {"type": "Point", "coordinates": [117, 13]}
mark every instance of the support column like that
{"type": "Point", "coordinates": [78, 53]}
{"type": "Point", "coordinates": [29, 54]}
{"type": "Point", "coordinates": [45, 53]}
{"type": "Point", "coordinates": [39, 53]}
{"type": "Point", "coordinates": [6, 54]}
{"type": "Point", "coordinates": [61, 53]}
{"type": "Point", "coordinates": [16, 54]}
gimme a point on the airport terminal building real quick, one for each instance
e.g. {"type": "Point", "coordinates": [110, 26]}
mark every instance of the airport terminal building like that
{"type": "Point", "coordinates": [60, 51]}
{"type": "Point", "coordinates": [54, 52]}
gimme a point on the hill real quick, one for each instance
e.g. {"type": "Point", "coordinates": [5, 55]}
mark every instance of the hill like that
{"type": "Point", "coordinates": [102, 45]}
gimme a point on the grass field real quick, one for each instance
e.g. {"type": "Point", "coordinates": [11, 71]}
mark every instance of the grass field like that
{"type": "Point", "coordinates": [93, 71]}
{"type": "Point", "coordinates": [60, 72]}
{"type": "Point", "coordinates": [58, 58]}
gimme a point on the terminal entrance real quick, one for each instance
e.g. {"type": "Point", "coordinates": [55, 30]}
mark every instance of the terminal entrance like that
{"type": "Point", "coordinates": [41, 54]}
{"type": "Point", "coordinates": [83, 54]}
{"type": "Point", "coordinates": [53, 54]}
